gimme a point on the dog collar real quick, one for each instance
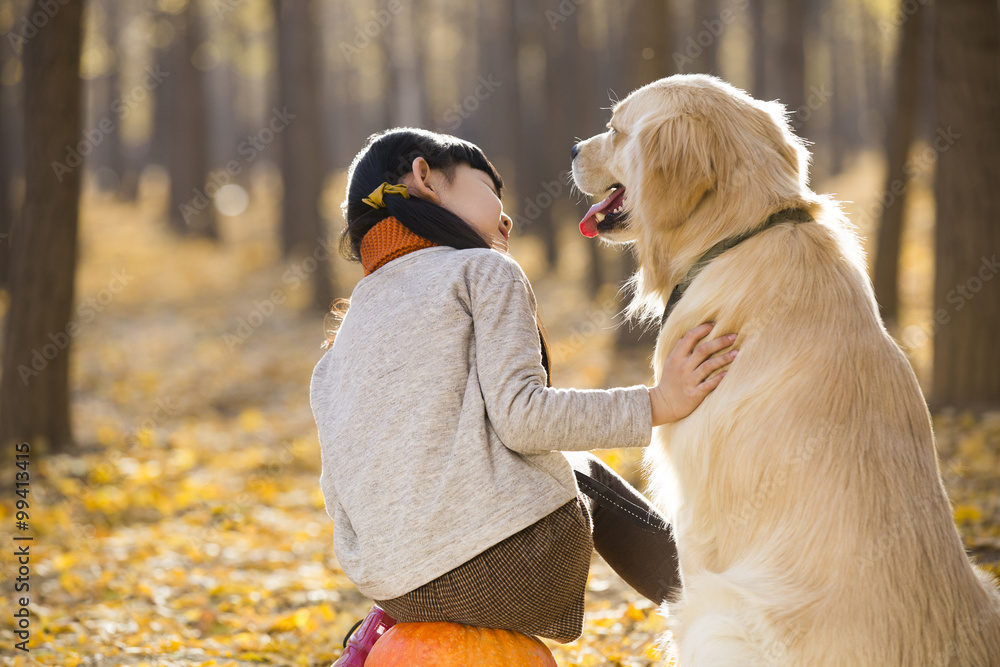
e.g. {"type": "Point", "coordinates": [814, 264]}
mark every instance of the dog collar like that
{"type": "Point", "coordinates": [785, 215]}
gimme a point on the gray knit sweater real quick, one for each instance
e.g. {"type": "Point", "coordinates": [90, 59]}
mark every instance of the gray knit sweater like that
{"type": "Point", "coordinates": [438, 435]}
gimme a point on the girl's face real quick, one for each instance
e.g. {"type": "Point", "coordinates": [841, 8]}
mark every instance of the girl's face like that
{"type": "Point", "coordinates": [470, 195]}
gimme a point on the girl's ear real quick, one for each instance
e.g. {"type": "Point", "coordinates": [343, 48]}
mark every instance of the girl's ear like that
{"type": "Point", "coordinates": [422, 180]}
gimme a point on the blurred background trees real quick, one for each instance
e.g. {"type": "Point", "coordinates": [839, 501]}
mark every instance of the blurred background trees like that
{"type": "Point", "coordinates": [35, 401]}
{"type": "Point", "coordinates": [242, 106]}
{"type": "Point", "coordinates": [967, 234]}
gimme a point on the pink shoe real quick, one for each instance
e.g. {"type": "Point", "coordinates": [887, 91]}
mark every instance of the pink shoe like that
{"type": "Point", "coordinates": [358, 643]}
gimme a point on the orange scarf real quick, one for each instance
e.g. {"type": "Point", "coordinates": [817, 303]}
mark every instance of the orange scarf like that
{"type": "Point", "coordinates": [389, 239]}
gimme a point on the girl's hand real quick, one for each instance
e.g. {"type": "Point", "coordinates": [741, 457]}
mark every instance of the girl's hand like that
{"type": "Point", "coordinates": [682, 385]}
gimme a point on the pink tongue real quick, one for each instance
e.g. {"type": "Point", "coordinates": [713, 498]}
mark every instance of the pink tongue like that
{"type": "Point", "coordinates": [588, 226]}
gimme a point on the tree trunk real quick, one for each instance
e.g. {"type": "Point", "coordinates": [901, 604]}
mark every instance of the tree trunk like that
{"type": "Point", "coordinates": [707, 30]}
{"type": "Point", "coordinates": [600, 69]}
{"type": "Point", "coordinates": [495, 97]}
{"type": "Point", "coordinates": [496, 102]}
{"type": "Point", "coordinates": [836, 136]}
{"type": "Point", "coordinates": [6, 207]}
{"type": "Point", "coordinates": [535, 165]}
{"type": "Point", "coordinates": [561, 44]}
{"type": "Point", "coordinates": [760, 51]}
{"type": "Point", "coordinates": [649, 42]}
{"type": "Point", "coordinates": [466, 73]}
{"type": "Point", "coordinates": [34, 391]}
{"type": "Point", "coordinates": [874, 97]}
{"type": "Point", "coordinates": [901, 132]}
{"type": "Point", "coordinates": [846, 83]}
{"type": "Point", "coordinates": [12, 158]}
{"type": "Point", "coordinates": [967, 175]}
{"type": "Point", "coordinates": [408, 75]}
{"type": "Point", "coordinates": [115, 148]}
{"type": "Point", "coordinates": [191, 209]}
{"type": "Point", "coordinates": [160, 137]}
{"type": "Point", "coordinates": [341, 96]}
{"type": "Point", "coordinates": [792, 63]}
{"type": "Point", "coordinates": [130, 156]}
{"type": "Point", "coordinates": [302, 163]}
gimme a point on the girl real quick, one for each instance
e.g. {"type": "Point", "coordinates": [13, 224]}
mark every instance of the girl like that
{"type": "Point", "coordinates": [442, 439]}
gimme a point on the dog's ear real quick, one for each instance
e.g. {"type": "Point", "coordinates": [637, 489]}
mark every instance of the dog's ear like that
{"type": "Point", "coordinates": [677, 152]}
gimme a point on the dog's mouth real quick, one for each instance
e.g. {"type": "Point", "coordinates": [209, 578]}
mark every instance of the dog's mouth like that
{"type": "Point", "coordinates": [605, 215]}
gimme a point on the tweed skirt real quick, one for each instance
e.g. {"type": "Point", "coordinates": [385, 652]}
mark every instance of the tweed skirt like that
{"type": "Point", "coordinates": [532, 582]}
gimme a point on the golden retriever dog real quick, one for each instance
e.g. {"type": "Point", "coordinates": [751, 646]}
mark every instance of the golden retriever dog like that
{"type": "Point", "coordinates": [806, 499]}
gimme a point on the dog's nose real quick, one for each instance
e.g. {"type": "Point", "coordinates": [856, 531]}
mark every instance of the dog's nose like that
{"type": "Point", "coordinates": [573, 151]}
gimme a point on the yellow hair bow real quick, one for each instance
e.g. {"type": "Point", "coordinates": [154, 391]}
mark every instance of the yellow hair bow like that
{"type": "Point", "coordinates": [375, 198]}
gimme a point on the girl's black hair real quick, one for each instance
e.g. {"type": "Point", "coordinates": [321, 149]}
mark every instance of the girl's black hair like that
{"type": "Point", "coordinates": [386, 157]}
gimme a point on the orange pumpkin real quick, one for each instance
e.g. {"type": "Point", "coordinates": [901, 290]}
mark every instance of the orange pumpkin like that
{"type": "Point", "coordinates": [443, 644]}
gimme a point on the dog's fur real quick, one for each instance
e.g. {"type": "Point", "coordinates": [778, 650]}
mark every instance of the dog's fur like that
{"type": "Point", "coordinates": [806, 499]}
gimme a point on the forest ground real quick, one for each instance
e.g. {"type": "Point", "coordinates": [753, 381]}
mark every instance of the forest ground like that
{"type": "Point", "coordinates": [191, 530]}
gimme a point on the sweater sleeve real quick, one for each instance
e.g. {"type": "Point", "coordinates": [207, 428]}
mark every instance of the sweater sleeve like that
{"type": "Point", "coordinates": [527, 416]}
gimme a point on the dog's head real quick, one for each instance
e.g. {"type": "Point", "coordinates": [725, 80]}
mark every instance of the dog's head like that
{"type": "Point", "coordinates": [685, 144]}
